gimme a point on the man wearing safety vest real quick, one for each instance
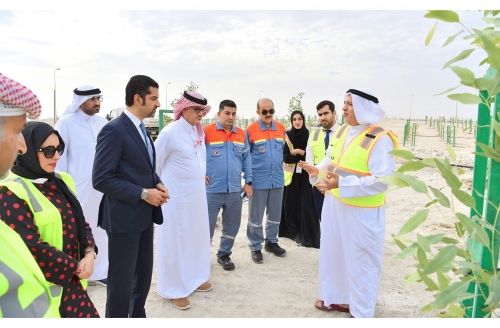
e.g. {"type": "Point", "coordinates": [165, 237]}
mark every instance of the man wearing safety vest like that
{"type": "Point", "coordinates": [353, 218]}
{"type": "Point", "coordinates": [318, 143]}
{"type": "Point", "coordinates": [267, 139]}
{"type": "Point", "coordinates": [24, 292]}
{"type": "Point", "coordinates": [228, 155]}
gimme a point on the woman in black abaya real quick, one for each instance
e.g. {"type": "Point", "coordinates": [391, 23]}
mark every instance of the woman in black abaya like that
{"type": "Point", "coordinates": [299, 220]}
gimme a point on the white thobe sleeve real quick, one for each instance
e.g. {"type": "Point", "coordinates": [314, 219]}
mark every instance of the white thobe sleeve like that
{"type": "Point", "coordinates": [323, 168]}
{"type": "Point", "coordinates": [162, 147]}
{"type": "Point", "coordinates": [63, 129]}
{"type": "Point", "coordinates": [309, 151]}
{"type": "Point", "coordinates": [380, 164]}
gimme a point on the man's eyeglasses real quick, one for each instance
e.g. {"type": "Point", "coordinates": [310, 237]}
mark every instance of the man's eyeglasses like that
{"type": "Point", "coordinates": [198, 109]}
{"type": "Point", "coordinates": [94, 99]}
{"type": "Point", "coordinates": [50, 151]}
{"type": "Point", "coordinates": [270, 111]}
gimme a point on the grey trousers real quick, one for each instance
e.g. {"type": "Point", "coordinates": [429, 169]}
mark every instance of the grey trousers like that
{"type": "Point", "coordinates": [270, 201]}
{"type": "Point", "coordinates": [231, 218]}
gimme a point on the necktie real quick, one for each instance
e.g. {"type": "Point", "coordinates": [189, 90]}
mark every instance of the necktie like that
{"type": "Point", "coordinates": [148, 144]}
{"type": "Point", "coordinates": [327, 138]}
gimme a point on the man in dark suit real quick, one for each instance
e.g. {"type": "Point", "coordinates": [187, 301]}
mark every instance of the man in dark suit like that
{"type": "Point", "coordinates": [124, 171]}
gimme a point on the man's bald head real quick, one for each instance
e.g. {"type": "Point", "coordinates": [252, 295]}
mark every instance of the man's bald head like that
{"type": "Point", "coordinates": [263, 100]}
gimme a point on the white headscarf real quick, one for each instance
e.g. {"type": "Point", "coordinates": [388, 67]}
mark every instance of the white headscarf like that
{"type": "Point", "coordinates": [78, 100]}
{"type": "Point", "coordinates": [366, 110]}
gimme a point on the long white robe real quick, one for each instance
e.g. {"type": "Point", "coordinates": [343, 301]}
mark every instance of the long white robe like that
{"type": "Point", "coordinates": [352, 238]}
{"type": "Point", "coordinates": [183, 240]}
{"type": "Point", "coordinates": [79, 132]}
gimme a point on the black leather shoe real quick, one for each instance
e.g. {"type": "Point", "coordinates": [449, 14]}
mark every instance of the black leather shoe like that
{"type": "Point", "coordinates": [257, 257]}
{"type": "Point", "coordinates": [275, 249]}
{"type": "Point", "coordinates": [226, 262]}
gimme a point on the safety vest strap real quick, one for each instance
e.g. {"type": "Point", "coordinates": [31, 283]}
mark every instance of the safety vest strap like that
{"type": "Point", "coordinates": [370, 136]}
{"type": "Point", "coordinates": [288, 167]}
{"type": "Point", "coordinates": [344, 172]}
{"type": "Point", "coordinates": [316, 134]}
{"type": "Point", "coordinates": [340, 130]}
{"type": "Point", "coordinates": [55, 290]}
{"type": "Point", "coordinates": [290, 145]}
{"type": "Point", "coordinates": [35, 204]}
{"type": "Point", "coordinates": [10, 304]}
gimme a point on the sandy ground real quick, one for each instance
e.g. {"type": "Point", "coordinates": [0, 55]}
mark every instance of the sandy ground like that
{"type": "Point", "coordinates": [287, 287]}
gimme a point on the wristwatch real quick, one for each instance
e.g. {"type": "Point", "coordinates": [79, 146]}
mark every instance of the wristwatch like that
{"type": "Point", "coordinates": [249, 183]}
{"type": "Point", "coordinates": [144, 194]}
{"type": "Point", "coordinates": [91, 252]}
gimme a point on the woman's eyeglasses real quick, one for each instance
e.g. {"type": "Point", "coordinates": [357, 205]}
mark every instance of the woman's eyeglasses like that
{"type": "Point", "coordinates": [270, 111]}
{"type": "Point", "coordinates": [50, 151]}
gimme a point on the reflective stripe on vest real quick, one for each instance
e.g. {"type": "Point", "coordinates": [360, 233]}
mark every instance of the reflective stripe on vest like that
{"type": "Point", "coordinates": [45, 214]}
{"type": "Point", "coordinates": [318, 145]}
{"type": "Point", "coordinates": [24, 292]}
{"type": "Point", "coordinates": [354, 161]}
{"type": "Point", "coordinates": [10, 304]}
{"type": "Point", "coordinates": [288, 169]}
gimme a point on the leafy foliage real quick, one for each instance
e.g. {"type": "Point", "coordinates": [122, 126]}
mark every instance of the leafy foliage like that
{"type": "Point", "coordinates": [295, 103]}
{"type": "Point", "coordinates": [445, 264]}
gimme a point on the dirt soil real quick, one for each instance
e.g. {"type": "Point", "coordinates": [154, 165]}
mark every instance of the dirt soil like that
{"type": "Point", "coordinates": [287, 287]}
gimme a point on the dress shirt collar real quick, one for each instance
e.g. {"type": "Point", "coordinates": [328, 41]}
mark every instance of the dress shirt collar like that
{"type": "Point", "coordinates": [133, 118]}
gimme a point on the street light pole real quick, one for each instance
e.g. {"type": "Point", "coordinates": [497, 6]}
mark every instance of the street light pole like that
{"type": "Point", "coordinates": [166, 96]}
{"type": "Point", "coordinates": [411, 105]}
{"type": "Point", "coordinates": [55, 88]}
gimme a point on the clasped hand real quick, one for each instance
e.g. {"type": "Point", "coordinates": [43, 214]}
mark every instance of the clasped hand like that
{"type": "Point", "coordinates": [330, 182]}
{"type": "Point", "coordinates": [158, 196]}
{"type": "Point", "coordinates": [85, 267]}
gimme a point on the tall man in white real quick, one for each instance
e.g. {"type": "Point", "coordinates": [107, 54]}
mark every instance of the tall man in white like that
{"type": "Point", "coordinates": [183, 241]}
{"type": "Point", "coordinates": [353, 216]}
{"type": "Point", "coordinates": [79, 127]}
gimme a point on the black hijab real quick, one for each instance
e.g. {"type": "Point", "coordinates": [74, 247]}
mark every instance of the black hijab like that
{"type": "Point", "coordinates": [298, 137]}
{"type": "Point", "coordinates": [28, 166]}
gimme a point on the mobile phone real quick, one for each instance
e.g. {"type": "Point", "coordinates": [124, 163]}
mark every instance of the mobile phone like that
{"type": "Point", "coordinates": [243, 196]}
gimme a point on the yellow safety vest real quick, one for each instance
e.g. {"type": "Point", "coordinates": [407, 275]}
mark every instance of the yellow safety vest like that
{"type": "Point", "coordinates": [354, 160]}
{"type": "Point", "coordinates": [288, 169]}
{"type": "Point", "coordinates": [24, 292]}
{"type": "Point", "coordinates": [317, 144]}
{"type": "Point", "coordinates": [45, 214]}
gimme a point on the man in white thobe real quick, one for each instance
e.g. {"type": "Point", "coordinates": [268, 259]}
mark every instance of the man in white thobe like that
{"type": "Point", "coordinates": [353, 216]}
{"type": "Point", "coordinates": [79, 127]}
{"type": "Point", "coordinates": [183, 241]}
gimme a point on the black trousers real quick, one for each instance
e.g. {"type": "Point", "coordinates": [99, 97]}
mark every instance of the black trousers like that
{"type": "Point", "coordinates": [318, 200]}
{"type": "Point", "coordinates": [129, 273]}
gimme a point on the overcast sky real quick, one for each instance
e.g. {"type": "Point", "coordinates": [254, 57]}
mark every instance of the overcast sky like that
{"type": "Point", "coordinates": [238, 55]}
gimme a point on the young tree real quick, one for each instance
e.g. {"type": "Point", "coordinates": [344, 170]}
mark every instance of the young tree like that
{"type": "Point", "coordinates": [451, 268]}
{"type": "Point", "coordinates": [295, 103]}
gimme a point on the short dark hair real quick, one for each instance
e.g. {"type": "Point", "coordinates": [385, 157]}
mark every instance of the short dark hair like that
{"type": "Point", "coordinates": [226, 103]}
{"type": "Point", "coordinates": [324, 103]}
{"type": "Point", "coordinates": [264, 99]}
{"type": "Point", "coordinates": [138, 85]}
